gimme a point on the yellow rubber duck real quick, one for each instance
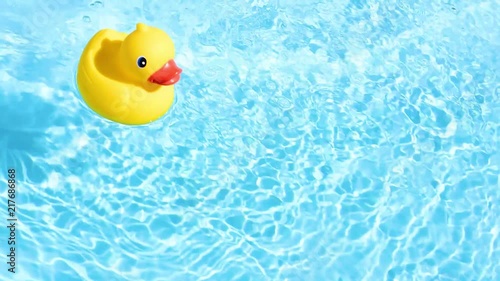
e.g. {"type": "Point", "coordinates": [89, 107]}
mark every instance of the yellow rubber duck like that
{"type": "Point", "coordinates": [129, 79]}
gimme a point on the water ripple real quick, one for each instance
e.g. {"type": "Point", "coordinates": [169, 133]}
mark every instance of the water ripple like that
{"type": "Point", "coordinates": [308, 141]}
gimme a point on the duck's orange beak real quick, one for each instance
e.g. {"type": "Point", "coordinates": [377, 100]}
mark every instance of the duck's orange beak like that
{"type": "Point", "coordinates": [168, 75]}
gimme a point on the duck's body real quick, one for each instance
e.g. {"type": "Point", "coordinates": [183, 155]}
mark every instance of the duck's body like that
{"type": "Point", "coordinates": [129, 78]}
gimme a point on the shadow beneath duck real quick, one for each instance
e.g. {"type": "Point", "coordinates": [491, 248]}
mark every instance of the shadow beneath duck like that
{"type": "Point", "coordinates": [106, 62]}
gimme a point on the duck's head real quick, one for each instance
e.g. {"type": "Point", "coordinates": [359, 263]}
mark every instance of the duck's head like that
{"type": "Point", "coordinates": [147, 56]}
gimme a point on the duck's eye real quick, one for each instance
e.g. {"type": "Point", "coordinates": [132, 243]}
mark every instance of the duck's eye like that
{"type": "Point", "coordinates": [141, 62]}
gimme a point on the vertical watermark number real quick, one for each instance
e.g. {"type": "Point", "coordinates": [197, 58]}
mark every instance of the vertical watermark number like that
{"type": "Point", "coordinates": [11, 220]}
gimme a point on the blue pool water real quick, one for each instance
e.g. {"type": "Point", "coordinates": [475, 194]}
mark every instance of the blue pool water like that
{"type": "Point", "coordinates": [309, 140]}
